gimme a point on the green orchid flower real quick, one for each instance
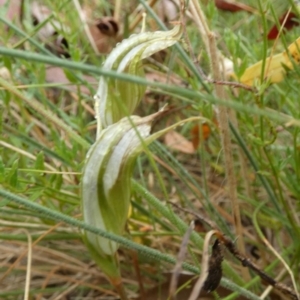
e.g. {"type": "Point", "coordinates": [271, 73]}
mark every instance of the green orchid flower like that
{"type": "Point", "coordinates": [126, 58]}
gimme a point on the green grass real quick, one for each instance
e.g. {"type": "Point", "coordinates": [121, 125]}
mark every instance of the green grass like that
{"type": "Point", "coordinates": [46, 131]}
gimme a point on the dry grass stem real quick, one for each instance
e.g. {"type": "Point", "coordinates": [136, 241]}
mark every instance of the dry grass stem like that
{"type": "Point", "coordinates": [180, 260]}
{"type": "Point", "coordinates": [25, 252]}
{"type": "Point", "coordinates": [273, 250]}
{"type": "Point", "coordinates": [136, 21]}
{"type": "Point", "coordinates": [23, 152]}
{"type": "Point", "coordinates": [82, 17]}
{"type": "Point", "coordinates": [200, 20]}
{"type": "Point", "coordinates": [117, 10]}
{"type": "Point", "coordinates": [29, 261]}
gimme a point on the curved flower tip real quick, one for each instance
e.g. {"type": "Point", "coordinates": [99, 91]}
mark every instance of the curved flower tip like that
{"type": "Point", "coordinates": [116, 99]}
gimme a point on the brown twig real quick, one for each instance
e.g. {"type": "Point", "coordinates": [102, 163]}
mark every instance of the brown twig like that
{"type": "Point", "coordinates": [223, 121]}
{"type": "Point", "coordinates": [233, 84]}
{"type": "Point", "coordinates": [139, 17]}
{"type": "Point", "coordinates": [245, 261]}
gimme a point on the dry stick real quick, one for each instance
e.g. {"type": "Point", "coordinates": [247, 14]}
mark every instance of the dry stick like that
{"type": "Point", "coordinates": [222, 115]}
{"type": "Point", "coordinates": [139, 17]}
{"type": "Point", "coordinates": [85, 26]}
{"type": "Point", "coordinates": [233, 84]}
{"type": "Point", "coordinates": [204, 267]}
{"type": "Point", "coordinates": [223, 120]}
{"type": "Point", "coordinates": [233, 117]}
{"type": "Point", "coordinates": [117, 10]}
{"type": "Point", "coordinates": [180, 260]}
{"type": "Point", "coordinates": [199, 19]}
{"type": "Point", "coordinates": [268, 290]}
{"type": "Point", "coordinates": [204, 31]}
{"type": "Point", "coordinates": [246, 262]}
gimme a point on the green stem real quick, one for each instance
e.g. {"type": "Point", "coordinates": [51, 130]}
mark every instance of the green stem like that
{"type": "Point", "coordinates": [284, 203]}
{"type": "Point", "coordinates": [27, 37]}
{"type": "Point", "coordinates": [179, 92]}
{"type": "Point", "coordinates": [252, 161]}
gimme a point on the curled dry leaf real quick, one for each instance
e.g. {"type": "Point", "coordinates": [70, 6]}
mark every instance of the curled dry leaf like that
{"type": "Point", "coordinates": [211, 270]}
{"type": "Point", "coordinates": [104, 31]}
{"type": "Point", "coordinates": [245, 261]}
{"type": "Point", "coordinates": [108, 26]}
{"type": "Point", "coordinates": [215, 268]}
{"type": "Point", "coordinates": [104, 43]}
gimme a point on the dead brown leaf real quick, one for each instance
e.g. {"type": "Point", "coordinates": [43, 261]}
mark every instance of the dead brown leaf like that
{"type": "Point", "coordinates": [176, 141]}
{"type": "Point", "coordinates": [195, 132]}
{"type": "Point", "coordinates": [57, 75]}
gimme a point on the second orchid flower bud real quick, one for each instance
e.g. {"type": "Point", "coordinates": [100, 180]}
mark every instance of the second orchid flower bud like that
{"type": "Point", "coordinates": [116, 99]}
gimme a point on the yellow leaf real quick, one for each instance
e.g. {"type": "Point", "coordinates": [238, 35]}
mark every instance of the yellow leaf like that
{"type": "Point", "coordinates": [275, 66]}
